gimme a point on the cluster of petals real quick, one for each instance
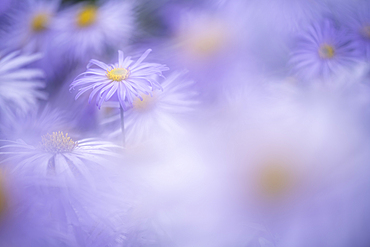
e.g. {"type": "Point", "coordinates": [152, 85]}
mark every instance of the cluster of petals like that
{"type": "Point", "coordinates": [139, 79]}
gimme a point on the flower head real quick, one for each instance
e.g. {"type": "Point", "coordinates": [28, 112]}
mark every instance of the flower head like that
{"type": "Point", "coordinates": [160, 113]}
{"type": "Point", "coordinates": [323, 50]}
{"type": "Point", "coordinates": [30, 25]}
{"type": "Point", "coordinates": [59, 155]}
{"type": "Point", "coordinates": [128, 79]}
{"type": "Point", "coordinates": [19, 86]}
{"type": "Point", "coordinates": [87, 29]}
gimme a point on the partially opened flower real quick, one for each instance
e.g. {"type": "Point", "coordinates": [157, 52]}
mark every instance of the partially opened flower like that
{"type": "Point", "coordinates": [323, 50]}
{"type": "Point", "coordinates": [20, 87]}
{"type": "Point", "coordinates": [86, 29]}
{"type": "Point", "coordinates": [158, 113]}
{"type": "Point", "coordinates": [130, 80]}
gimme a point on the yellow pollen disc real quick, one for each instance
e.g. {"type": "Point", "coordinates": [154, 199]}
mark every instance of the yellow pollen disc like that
{"type": "Point", "coordinates": [40, 22]}
{"type": "Point", "coordinates": [326, 51]}
{"type": "Point", "coordinates": [145, 104]}
{"type": "Point", "coordinates": [117, 74]}
{"type": "Point", "coordinates": [87, 16]}
{"type": "Point", "coordinates": [58, 143]}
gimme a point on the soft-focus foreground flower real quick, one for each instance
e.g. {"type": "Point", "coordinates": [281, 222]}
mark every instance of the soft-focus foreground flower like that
{"type": "Point", "coordinates": [20, 87]}
{"type": "Point", "coordinates": [323, 50]}
{"type": "Point", "coordinates": [75, 183]}
{"type": "Point", "coordinates": [58, 155]}
{"type": "Point", "coordinates": [30, 125]}
{"type": "Point", "coordinates": [128, 79]}
{"type": "Point", "coordinates": [30, 25]}
{"type": "Point", "coordinates": [87, 30]}
{"type": "Point", "coordinates": [159, 113]}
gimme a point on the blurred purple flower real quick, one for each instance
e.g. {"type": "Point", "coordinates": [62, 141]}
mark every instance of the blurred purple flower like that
{"type": "Point", "coordinates": [33, 124]}
{"type": "Point", "coordinates": [58, 155]}
{"type": "Point", "coordinates": [85, 30]}
{"type": "Point", "coordinates": [323, 50]}
{"type": "Point", "coordinates": [19, 86]}
{"type": "Point", "coordinates": [358, 20]}
{"type": "Point", "coordinates": [127, 79]}
{"type": "Point", "coordinates": [159, 113]}
{"type": "Point", "coordinates": [30, 25]}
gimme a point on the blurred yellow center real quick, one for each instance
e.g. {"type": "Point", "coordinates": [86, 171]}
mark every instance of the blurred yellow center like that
{"type": "Point", "coordinates": [87, 16]}
{"type": "Point", "coordinates": [326, 51]}
{"type": "Point", "coordinates": [2, 196]}
{"type": "Point", "coordinates": [206, 43]}
{"type": "Point", "coordinates": [365, 31]}
{"type": "Point", "coordinates": [40, 22]}
{"type": "Point", "coordinates": [145, 104]}
{"type": "Point", "coordinates": [118, 74]}
{"type": "Point", "coordinates": [275, 180]}
{"type": "Point", "coordinates": [58, 143]}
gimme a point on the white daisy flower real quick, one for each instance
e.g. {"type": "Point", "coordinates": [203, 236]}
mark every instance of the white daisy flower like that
{"type": "Point", "coordinates": [89, 30]}
{"type": "Point", "coordinates": [19, 86]}
{"type": "Point", "coordinates": [160, 112]}
{"type": "Point", "coordinates": [128, 79]}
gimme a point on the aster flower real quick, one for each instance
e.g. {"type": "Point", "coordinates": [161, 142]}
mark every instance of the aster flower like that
{"type": "Point", "coordinates": [357, 19]}
{"type": "Point", "coordinates": [58, 155]}
{"type": "Point", "coordinates": [33, 124]}
{"type": "Point", "coordinates": [85, 29]}
{"type": "Point", "coordinates": [323, 50]}
{"type": "Point", "coordinates": [30, 24]}
{"type": "Point", "coordinates": [161, 112]}
{"type": "Point", "coordinates": [20, 88]}
{"type": "Point", "coordinates": [128, 79]}
{"type": "Point", "coordinates": [75, 184]}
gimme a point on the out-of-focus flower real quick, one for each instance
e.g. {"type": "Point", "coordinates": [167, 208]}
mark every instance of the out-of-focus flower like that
{"type": "Point", "coordinates": [30, 25]}
{"type": "Point", "coordinates": [127, 79]}
{"type": "Point", "coordinates": [20, 87]}
{"type": "Point", "coordinates": [86, 30]}
{"type": "Point", "coordinates": [33, 124]}
{"type": "Point", "coordinates": [160, 112]}
{"type": "Point", "coordinates": [58, 155]}
{"type": "Point", "coordinates": [323, 50]}
{"type": "Point", "coordinates": [75, 184]}
{"type": "Point", "coordinates": [357, 19]}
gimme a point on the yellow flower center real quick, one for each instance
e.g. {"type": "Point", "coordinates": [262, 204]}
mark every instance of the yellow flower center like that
{"type": "Point", "coordinates": [40, 22]}
{"type": "Point", "coordinates": [274, 180]}
{"type": "Point", "coordinates": [326, 51]}
{"type": "Point", "coordinates": [58, 143]}
{"type": "Point", "coordinates": [145, 104]}
{"type": "Point", "coordinates": [87, 16]}
{"type": "Point", "coordinates": [118, 74]}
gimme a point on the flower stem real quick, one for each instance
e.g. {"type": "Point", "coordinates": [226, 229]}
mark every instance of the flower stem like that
{"type": "Point", "coordinates": [123, 126]}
